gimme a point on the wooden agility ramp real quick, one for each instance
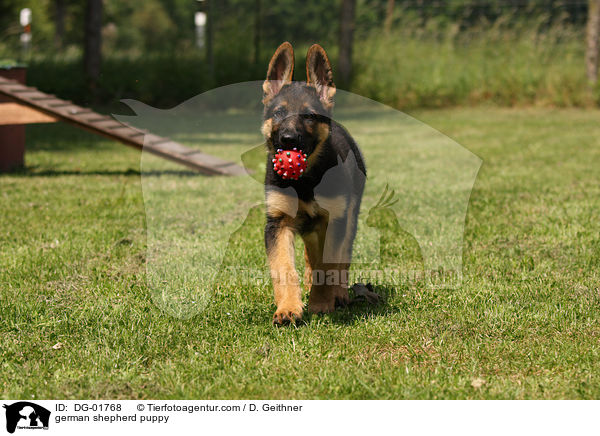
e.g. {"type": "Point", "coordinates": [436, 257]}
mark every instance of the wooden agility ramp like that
{"type": "Point", "coordinates": [29, 105]}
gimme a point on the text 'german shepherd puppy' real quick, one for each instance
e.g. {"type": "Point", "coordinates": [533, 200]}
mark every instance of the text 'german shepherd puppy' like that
{"type": "Point", "coordinates": [322, 202]}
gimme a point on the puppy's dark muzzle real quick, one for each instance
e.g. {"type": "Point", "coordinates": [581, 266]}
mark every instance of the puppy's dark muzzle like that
{"type": "Point", "coordinates": [289, 139]}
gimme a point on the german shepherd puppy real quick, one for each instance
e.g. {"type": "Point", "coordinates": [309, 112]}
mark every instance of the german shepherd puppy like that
{"type": "Point", "coordinates": [321, 206]}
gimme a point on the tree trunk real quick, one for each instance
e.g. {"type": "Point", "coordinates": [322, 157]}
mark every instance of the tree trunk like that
{"type": "Point", "coordinates": [593, 43]}
{"type": "Point", "coordinates": [59, 22]}
{"type": "Point", "coordinates": [92, 52]}
{"type": "Point", "coordinates": [346, 41]}
{"type": "Point", "coordinates": [210, 15]}
{"type": "Point", "coordinates": [389, 17]}
{"type": "Point", "coordinates": [257, 13]}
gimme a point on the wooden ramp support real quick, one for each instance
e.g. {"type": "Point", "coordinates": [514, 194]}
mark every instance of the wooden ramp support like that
{"type": "Point", "coordinates": [28, 105]}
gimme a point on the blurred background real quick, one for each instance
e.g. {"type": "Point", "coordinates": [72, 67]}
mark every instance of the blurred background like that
{"type": "Point", "coordinates": [405, 53]}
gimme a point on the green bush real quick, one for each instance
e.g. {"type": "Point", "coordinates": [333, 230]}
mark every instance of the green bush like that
{"type": "Point", "coordinates": [156, 79]}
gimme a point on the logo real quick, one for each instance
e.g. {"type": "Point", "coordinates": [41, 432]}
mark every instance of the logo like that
{"type": "Point", "coordinates": [26, 415]}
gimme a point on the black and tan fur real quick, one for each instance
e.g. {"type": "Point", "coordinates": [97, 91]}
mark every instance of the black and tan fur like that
{"type": "Point", "coordinates": [322, 206]}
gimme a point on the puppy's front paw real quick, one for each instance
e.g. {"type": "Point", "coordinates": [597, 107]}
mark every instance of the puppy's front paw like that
{"type": "Point", "coordinates": [287, 314]}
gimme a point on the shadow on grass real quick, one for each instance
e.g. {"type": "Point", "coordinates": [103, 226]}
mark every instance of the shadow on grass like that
{"type": "Point", "coordinates": [357, 311]}
{"type": "Point", "coordinates": [34, 172]}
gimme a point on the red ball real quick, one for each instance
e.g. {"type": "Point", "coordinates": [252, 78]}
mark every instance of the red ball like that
{"type": "Point", "coordinates": [289, 164]}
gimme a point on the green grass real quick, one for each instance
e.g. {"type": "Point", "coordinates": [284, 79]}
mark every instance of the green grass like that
{"type": "Point", "coordinates": [509, 63]}
{"type": "Point", "coordinates": [525, 320]}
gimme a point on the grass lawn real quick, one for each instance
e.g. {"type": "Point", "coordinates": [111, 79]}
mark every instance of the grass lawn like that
{"type": "Point", "coordinates": [524, 323]}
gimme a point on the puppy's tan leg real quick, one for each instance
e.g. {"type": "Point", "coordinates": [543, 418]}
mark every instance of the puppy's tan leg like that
{"type": "Point", "coordinates": [308, 270]}
{"type": "Point", "coordinates": [339, 275]}
{"type": "Point", "coordinates": [312, 255]}
{"type": "Point", "coordinates": [344, 257]}
{"type": "Point", "coordinates": [342, 235]}
{"type": "Point", "coordinates": [330, 253]}
{"type": "Point", "coordinates": [322, 296]}
{"type": "Point", "coordinates": [279, 238]}
{"type": "Point", "coordinates": [329, 288]}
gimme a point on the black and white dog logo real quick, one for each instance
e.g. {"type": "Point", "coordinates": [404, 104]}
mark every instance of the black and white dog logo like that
{"type": "Point", "coordinates": [26, 415]}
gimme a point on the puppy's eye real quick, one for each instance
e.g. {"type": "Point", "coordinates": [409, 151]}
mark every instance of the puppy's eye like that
{"type": "Point", "coordinates": [309, 116]}
{"type": "Point", "coordinates": [279, 113]}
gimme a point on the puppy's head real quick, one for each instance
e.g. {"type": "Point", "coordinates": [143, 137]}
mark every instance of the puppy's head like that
{"type": "Point", "coordinates": [298, 115]}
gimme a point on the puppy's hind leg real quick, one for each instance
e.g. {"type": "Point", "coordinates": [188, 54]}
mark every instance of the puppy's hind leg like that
{"type": "Point", "coordinates": [324, 293]}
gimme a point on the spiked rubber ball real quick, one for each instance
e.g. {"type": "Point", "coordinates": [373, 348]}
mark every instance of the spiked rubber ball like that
{"type": "Point", "coordinates": [289, 164]}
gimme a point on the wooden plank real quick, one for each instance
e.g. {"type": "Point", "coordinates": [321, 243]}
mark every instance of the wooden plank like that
{"type": "Point", "coordinates": [123, 131]}
{"type": "Point", "coordinates": [152, 139]}
{"type": "Point", "coordinates": [197, 164]}
{"type": "Point", "coordinates": [44, 98]}
{"type": "Point", "coordinates": [48, 107]}
{"type": "Point", "coordinates": [218, 165]}
{"type": "Point", "coordinates": [32, 95]}
{"type": "Point", "coordinates": [15, 87]}
{"type": "Point", "coordinates": [106, 123]}
{"type": "Point", "coordinates": [54, 102]}
{"type": "Point", "coordinates": [15, 113]}
{"type": "Point", "coordinates": [59, 103]}
{"type": "Point", "coordinates": [172, 147]}
{"type": "Point", "coordinates": [79, 113]}
{"type": "Point", "coordinates": [99, 118]}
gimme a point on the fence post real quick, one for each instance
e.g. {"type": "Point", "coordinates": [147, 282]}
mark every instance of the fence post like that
{"type": "Point", "coordinates": [593, 44]}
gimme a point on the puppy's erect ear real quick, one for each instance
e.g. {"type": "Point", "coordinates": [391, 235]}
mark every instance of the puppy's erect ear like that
{"type": "Point", "coordinates": [280, 72]}
{"type": "Point", "coordinates": [319, 74]}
